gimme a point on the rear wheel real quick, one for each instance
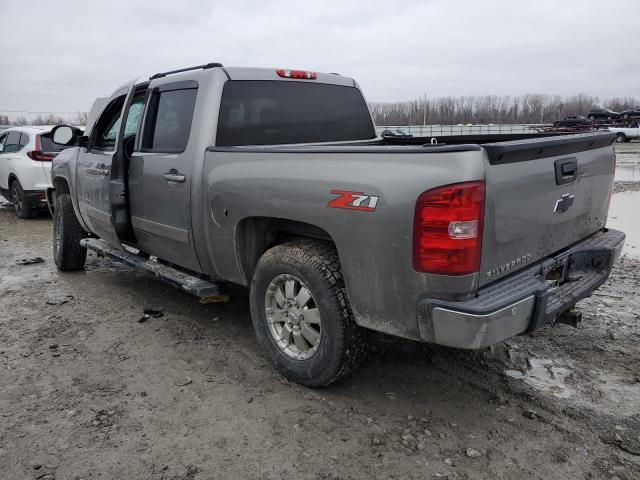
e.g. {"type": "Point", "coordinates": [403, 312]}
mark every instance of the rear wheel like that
{"type": "Point", "coordinates": [301, 313]}
{"type": "Point", "coordinates": [21, 204]}
{"type": "Point", "coordinates": [621, 137]}
{"type": "Point", "coordinates": [68, 254]}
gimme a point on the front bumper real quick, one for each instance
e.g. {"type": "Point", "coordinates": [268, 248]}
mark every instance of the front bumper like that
{"type": "Point", "coordinates": [524, 301]}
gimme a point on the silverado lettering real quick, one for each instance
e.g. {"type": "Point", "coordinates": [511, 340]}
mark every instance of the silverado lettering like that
{"type": "Point", "coordinates": [508, 266]}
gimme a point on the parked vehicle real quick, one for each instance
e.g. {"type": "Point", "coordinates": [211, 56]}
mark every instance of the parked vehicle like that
{"type": "Point", "coordinates": [571, 121]}
{"type": "Point", "coordinates": [599, 113]}
{"type": "Point", "coordinates": [632, 113]}
{"type": "Point", "coordinates": [395, 133]}
{"type": "Point", "coordinates": [275, 179]}
{"type": "Point", "coordinates": [626, 134]}
{"type": "Point", "coordinates": [25, 168]}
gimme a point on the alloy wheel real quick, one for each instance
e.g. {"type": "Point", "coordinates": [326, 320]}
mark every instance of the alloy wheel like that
{"type": "Point", "coordinates": [293, 317]}
{"type": "Point", "coordinates": [16, 198]}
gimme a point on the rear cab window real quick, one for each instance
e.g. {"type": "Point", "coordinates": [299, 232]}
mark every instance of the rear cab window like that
{"type": "Point", "coordinates": [272, 112]}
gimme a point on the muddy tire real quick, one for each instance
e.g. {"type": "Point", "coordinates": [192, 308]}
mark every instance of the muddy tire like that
{"type": "Point", "coordinates": [21, 204]}
{"type": "Point", "coordinates": [329, 345]}
{"type": "Point", "coordinates": [67, 233]}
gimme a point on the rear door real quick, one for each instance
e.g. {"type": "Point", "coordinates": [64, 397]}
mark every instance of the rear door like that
{"type": "Point", "coordinates": [94, 169]}
{"type": "Point", "coordinates": [161, 172]}
{"type": "Point", "coordinates": [543, 195]}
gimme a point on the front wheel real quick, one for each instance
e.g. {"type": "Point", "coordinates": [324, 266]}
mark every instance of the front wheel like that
{"type": "Point", "coordinates": [301, 314]}
{"type": "Point", "coordinates": [68, 254]}
{"type": "Point", "coordinates": [620, 137]}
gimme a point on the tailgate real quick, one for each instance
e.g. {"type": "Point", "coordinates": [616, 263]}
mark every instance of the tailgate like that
{"type": "Point", "coordinates": [543, 195]}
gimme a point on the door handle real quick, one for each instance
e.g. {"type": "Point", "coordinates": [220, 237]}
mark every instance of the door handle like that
{"type": "Point", "coordinates": [174, 176]}
{"type": "Point", "coordinates": [98, 171]}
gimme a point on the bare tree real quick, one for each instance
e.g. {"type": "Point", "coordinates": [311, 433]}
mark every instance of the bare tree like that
{"type": "Point", "coordinates": [80, 118]}
{"type": "Point", "coordinates": [49, 119]}
{"type": "Point", "coordinates": [530, 108]}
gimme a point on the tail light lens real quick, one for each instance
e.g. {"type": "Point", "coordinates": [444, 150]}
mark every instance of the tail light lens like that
{"type": "Point", "coordinates": [300, 74]}
{"type": "Point", "coordinates": [38, 154]}
{"type": "Point", "coordinates": [447, 229]}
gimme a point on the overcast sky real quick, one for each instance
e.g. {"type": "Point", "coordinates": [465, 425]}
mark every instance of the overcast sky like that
{"type": "Point", "coordinates": [59, 55]}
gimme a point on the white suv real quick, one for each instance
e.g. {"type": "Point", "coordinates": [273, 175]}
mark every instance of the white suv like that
{"type": "Point", "coordinates": [25, 168]}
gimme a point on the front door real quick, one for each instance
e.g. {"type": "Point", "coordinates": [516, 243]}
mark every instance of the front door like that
{"type": "Point", "coordinates": [160, 175]}
{"type": "Point", "coordinates": [94, 169]}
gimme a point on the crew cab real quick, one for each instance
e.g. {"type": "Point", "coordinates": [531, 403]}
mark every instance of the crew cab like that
{"type": "Point", "coordinates": [275, 179]}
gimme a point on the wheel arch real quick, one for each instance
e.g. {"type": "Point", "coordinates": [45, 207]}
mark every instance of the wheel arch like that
{"type": "Point", "coordinates": [12, 177]}
{"type": "Point", "coordinates": [62, 186]}
{"type": "Point", "coordinates": [256, 235]}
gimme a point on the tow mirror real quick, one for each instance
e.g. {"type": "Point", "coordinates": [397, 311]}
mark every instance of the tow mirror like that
{"type": "Point", "coordinates": [65, 135]}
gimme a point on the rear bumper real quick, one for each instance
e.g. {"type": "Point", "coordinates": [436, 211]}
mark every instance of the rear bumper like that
{"type": "Point", "coordinates": [36, 198]}
{"type": "Point", "coordinates": [524, 301]}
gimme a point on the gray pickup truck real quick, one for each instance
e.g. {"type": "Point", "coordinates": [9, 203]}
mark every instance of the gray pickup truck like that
{"type": "Point", "coordinates": [275, 179]}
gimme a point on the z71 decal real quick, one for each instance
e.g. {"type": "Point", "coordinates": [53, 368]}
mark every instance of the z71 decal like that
{"type": "Point", "coordinates": [354, 201]}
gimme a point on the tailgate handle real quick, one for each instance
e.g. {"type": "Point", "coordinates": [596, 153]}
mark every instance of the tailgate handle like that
{"type": "Point", "coordinates": [566, 170]}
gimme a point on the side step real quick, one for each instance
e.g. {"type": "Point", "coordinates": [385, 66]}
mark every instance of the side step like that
{"type": "Point", "coordinates": [189, 283]}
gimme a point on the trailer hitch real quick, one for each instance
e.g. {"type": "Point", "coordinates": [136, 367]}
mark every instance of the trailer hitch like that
{"type": "Point", "coordinates": [571, 317]}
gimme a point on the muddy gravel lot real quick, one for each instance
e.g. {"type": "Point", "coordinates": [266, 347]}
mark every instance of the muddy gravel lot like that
{"type": "Point", "coordinates": [88, 391]}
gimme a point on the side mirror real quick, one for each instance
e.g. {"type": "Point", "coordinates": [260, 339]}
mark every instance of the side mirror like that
{"type": "Point", "coordinates": [65, 135]}
{"type": "Point", "coordinates": [1, 147]}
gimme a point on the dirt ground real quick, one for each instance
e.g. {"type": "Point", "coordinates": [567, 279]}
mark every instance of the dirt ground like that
{"type": "Point", "coordinates": [89, 392]}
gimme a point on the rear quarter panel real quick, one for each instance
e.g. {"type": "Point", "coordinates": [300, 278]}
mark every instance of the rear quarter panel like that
{"type": "Point", "coordinates": [375, 248]}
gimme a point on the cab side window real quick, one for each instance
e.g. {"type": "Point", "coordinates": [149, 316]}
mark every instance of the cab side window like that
{"type": "Point", "coordinates": [12, 143]}
{"type": "Point", "coordinates": [168, 123]}
{"type": "Point", "coordinates": [134, 115]}
{"type": "Point", "coordinates": [24, 140]}
{"type": "Point", "coordinates": [105, 133]}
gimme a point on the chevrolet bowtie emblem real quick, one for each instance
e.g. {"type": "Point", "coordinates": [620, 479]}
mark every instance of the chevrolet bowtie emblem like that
{"type": "Point", "coordinates": [564, 203]}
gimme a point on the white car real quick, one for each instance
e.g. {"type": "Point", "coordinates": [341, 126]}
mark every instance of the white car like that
{"type": "Point", "coordinates": [626, 134]}
{"type": "Point", "coordinates": [25, 168]}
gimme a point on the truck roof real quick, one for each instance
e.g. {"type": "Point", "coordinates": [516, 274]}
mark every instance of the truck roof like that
{"type": "Point", "coordinates": [253, 73]}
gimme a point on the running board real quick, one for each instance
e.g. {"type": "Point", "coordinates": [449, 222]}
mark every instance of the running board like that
{"type": "Point", "coordinates": [189, 283]}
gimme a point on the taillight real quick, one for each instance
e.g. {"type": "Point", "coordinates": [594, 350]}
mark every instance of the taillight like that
{"type": "Point", "coordinates": [301, 74]}
{"type": "Point", "coordinates": [447, 229]}
{"type": "Point", "coordinates": [38, 154]}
